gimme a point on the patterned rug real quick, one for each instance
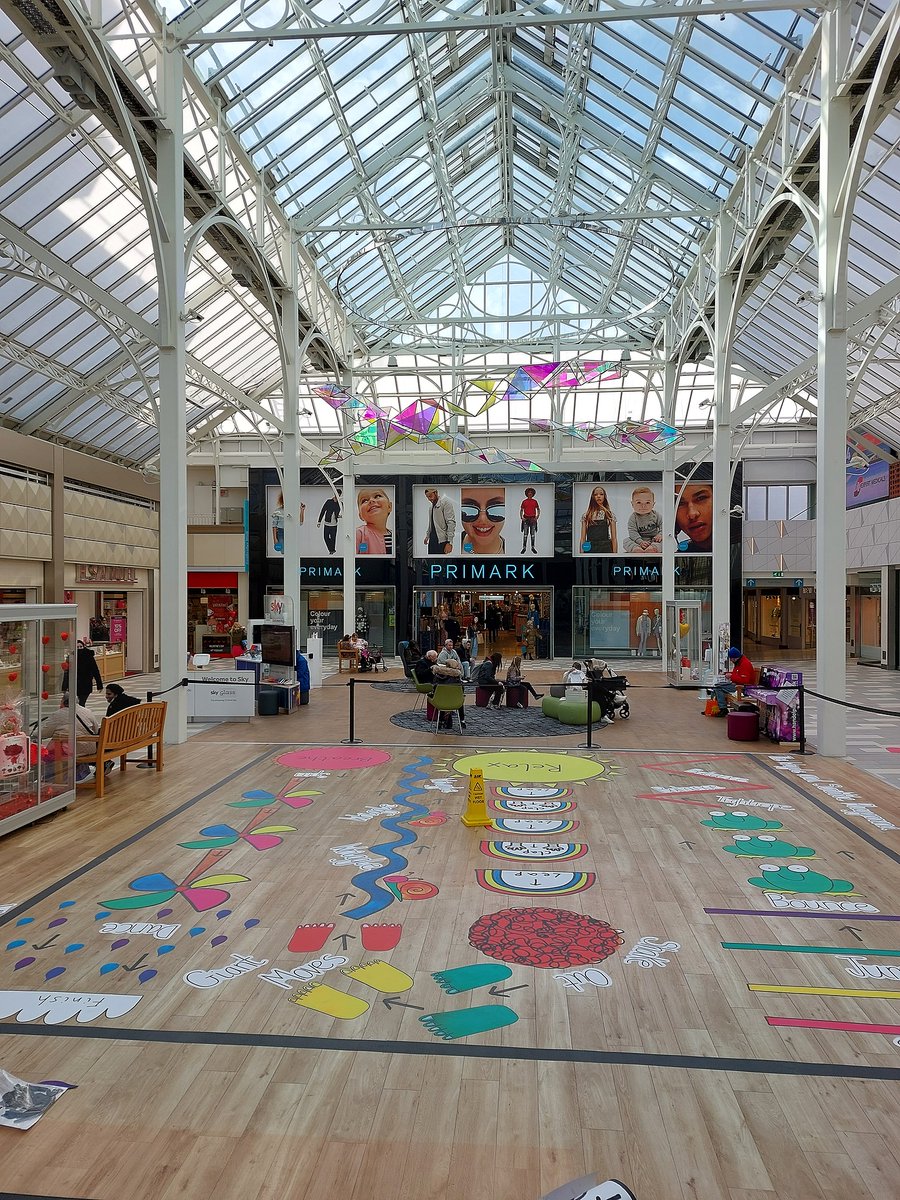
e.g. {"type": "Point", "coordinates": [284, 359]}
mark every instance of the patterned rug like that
{"type": "Point", "coordinates": [496, 723]}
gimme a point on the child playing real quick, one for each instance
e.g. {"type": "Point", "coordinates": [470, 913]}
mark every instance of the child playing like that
{"type": "Point", "coordinates": [644, 524]}
{"type": "Point", "coordinates": [529, 511]}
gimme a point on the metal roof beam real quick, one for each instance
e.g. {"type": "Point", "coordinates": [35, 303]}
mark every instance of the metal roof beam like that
{"type": "Point", "coordinates": [186, 29]}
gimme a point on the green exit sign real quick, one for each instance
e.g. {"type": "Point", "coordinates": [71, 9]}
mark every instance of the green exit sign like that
{"type": "Point", "coordinates": [778, 574]}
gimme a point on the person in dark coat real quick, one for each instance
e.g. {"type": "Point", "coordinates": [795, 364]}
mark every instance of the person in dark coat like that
{"type": "Point", "coordinates": [87, 673]}
{"type": "Point", "coordinates": [486, 677]}
{"type": "Point", "coordinates": [117, 699]}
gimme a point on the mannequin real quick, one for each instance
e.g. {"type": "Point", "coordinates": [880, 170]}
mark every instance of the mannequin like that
{"type": "Point", "coordinates": [775, 620]}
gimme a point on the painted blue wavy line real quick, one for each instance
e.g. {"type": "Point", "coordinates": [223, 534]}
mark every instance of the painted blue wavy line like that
{"type": "Point", "coordinates": [380, 897]}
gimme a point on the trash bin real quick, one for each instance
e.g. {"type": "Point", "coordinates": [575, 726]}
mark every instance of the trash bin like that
{"type": "Point", "coordinates": [267, 702]}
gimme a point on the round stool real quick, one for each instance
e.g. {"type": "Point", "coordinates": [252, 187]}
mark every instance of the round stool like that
{"type": "Point", "coordinates": [267, 702]}
{"type": "Point", "coordinates": [743, 726]}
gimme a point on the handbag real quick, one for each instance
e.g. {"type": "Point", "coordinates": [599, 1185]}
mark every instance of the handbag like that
{"type": "Point", "coordinates": [712, 707]}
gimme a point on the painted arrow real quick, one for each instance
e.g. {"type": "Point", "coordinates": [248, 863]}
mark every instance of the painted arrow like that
{"type": "Point", "coordinates": [846, 853]}
{"type": "Point", "coordinates": [390, 1001]}
{"type": "Point", "coordinates": [495, 991]}
{"type": "Point", "coordinates": [44, 945]}
{"type": "Point", "coordinates": [419, 848]}
{"type": "Point", "coordinates": [134, 966]}
{"type": "Point", "coordinates": [342, 899]}
{"type": "Point", "coordinates": [850, 929]}
{"type": "Point", "coordinates": [344, 938]}
{"type": "Point", "coordinates": [690, 845]}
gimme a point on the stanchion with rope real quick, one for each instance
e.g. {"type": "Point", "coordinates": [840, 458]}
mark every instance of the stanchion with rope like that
{"type": "Point", "coordinates": [145, 766]}
{"type": "Point", "coordinates": [589, 705]}
{"type": "Point", "coordinates": [351, 740]}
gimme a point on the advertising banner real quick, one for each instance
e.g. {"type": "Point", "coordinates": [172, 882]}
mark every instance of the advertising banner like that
{"type": "Point", "coordinates": [322, 519]}
{"type": "Point", "coordinates": [616, 519]}
{"type": "Point", "coordinates": [500, 520]}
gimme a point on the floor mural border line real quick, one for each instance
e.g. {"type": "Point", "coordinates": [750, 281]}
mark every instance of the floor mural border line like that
{"type": "Point", "coordinates": [257, 1041]}
{"type": "Point", "coordinates": [795, 786]}
{"type": "Point", "coordinates": [98, 859]}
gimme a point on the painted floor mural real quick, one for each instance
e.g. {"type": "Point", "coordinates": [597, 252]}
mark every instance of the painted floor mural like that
{"type": "Point", "coordinates": [335, 893]}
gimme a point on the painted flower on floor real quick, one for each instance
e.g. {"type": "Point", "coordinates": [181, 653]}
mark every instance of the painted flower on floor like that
{"type": "Point", "coordinates": [551, 938]}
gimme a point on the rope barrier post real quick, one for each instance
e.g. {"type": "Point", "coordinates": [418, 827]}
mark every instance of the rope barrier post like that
{"type": "Point", "coordinates": [145, 766]}
{"type": "Point", "coordinates": [588, 745]}
{"type": "Point", "coordinates": [351, 740]}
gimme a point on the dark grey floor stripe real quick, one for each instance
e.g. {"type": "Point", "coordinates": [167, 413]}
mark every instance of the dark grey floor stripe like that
{"type": "Point", "coordinates": [184, 1037]}
{"type": "Point", "coordinates": [135, 837]}
{"type": "Point", "coordinates": [797, 786]}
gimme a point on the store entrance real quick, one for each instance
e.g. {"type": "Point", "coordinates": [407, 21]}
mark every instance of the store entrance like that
{"type": "Point", "coordinates": [500, 620]}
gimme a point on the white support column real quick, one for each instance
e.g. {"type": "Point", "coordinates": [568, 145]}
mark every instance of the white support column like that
{"type": "Point", "coordinates": [721, 450]}
{"type": "Point", "coordinates": [290, 335]}
{"type": "Point", "coordinates": [667, 565]}
{"type": "Point", "coordinates": [831, 432]}
{"type": "Point", "coordinates": [172, 407]}
{"type": "Point", "coordinates": [348, 546]}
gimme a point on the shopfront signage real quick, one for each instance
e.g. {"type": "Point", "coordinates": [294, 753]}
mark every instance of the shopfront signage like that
{"type": "Point", "coordinates": [477, 572]}
{"type": "Point", "coordinates": [326, 570]}
{"type": "Point", "coordinates": [95, 573]}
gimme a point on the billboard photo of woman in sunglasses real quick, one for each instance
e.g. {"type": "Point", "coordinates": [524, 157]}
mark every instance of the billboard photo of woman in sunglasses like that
{"type": "Point", "coordinates": [482, 514]}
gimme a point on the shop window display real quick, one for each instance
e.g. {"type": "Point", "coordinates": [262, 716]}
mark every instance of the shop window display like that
{"type": "Point", "coordinates": [37, 773]}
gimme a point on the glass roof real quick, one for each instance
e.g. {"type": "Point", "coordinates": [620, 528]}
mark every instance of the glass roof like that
{"type": "Point", "coordinates": [470, 183]}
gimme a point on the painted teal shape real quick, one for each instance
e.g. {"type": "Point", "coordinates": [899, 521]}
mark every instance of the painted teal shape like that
{"type": "Point", "coordinates": [107, 967]}
{"type": "Point", "coordinates": [768, 847]}
{"type": "Point", "coordinates": [73, 946]}
{"type": "Point", "coordinates": [739, 820]}
{"type": "Point", "coordinates": [68, 903]}
{"type": "Point", "coordinates": [14, 945]}
{"type": "Point", "coordinates": [799, 879]}
{"type": "Point", "coordinates": [24, 921]}
{"type": "Point", "coordinates": [368, 881]}
{"type": "Point", "coordinates": [468, 1021]}
{"type": "Point", "coordinates": [463, 979]}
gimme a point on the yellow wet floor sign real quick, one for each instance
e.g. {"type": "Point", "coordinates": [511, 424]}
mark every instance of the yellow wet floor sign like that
{"type": "Point", "coordinates": [476, 808]}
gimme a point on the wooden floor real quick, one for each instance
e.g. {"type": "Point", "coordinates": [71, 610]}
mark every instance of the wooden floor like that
{"type": "Point", "coordinates": [686, 1070]}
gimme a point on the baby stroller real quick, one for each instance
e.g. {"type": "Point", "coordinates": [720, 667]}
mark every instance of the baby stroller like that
{"type": "Point", "coordinates": [374, 658]}
{"type": "Point", "coordinates": [608, 689]}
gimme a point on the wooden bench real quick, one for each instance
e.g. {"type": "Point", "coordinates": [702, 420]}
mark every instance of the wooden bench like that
{"type": "Point", "coordinates": [135, 728]}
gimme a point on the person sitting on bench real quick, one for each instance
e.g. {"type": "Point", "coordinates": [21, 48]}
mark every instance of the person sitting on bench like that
{"type": "Point", "coordinates": [741, 674]}
{"type": "Point", "coordinates": [117, 699]}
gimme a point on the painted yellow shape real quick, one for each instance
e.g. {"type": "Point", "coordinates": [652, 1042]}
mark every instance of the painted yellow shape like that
{"type": "Point", "coordinates": [814, 991]}
{"type": "Point", "coordinates": [328, 1000]}
{"type": "Point", "coordinates": [530, 766]}
{"type": "Point", "coordinates": [380, 975]}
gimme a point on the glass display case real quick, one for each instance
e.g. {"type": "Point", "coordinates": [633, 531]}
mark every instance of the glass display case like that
{"type": "Point", "coordinates": [37, 735]}
{"type": "Point", "coordinates": [684, 651]}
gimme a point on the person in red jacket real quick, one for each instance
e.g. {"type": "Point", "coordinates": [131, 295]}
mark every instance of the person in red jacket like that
{"type": "Point", "coordinates": [741, 673]}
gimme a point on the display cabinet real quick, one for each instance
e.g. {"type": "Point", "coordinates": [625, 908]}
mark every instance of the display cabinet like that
{"type": "Point", "coordinates": [684, 649]}
{"type": "Point", "coordinates": [37, 766]}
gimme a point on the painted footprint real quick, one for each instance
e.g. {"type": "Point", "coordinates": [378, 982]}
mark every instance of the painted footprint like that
{"type": "Point", "coordinates": [450, 1025]}
{"type": "Point", "coordinates": [320, 997]}
{"type": "Point", "coordinates": [307, 938]}
{"type": "Point", "coordinates": [380, 975]}
{"type": "Point", "coordinates": [380, 937]}
{"type": "Point", "coordinates": [463, 979]}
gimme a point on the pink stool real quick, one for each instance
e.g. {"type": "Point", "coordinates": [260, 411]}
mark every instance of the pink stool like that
{"type": "Point", "coordinates": [743, 726]}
